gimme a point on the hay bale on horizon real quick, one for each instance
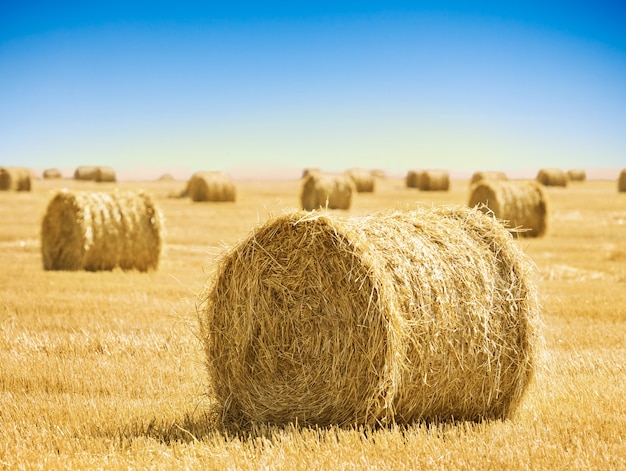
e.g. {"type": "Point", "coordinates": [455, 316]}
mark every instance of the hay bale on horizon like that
{"type": "Point", "coordinates": [106, 174]}
{"type": "Point", "coordinates": [101, 231]}
{"type": "Point", "coordinates": [521, 204]}
{"type": "Point", "coordinates": [434, 180]}
{"type": "Point", "coordinates": [489, 175]}
{"type": "Point", "coordinates": [96, 174]}
{"type": "Point", "coordinates": [364, 181]}
{"type": "Point", "coordinates": [413, 178]}
{"type": "Point", "coordinates": [621, 181]}
{"type": "Point", "coordinates": [52, 174]}
{"type": "Point", "coordinates": [393, 317]}
{"type": "Point", "coordinates": [15, 179]}
{"type": "Point", "coordinates": [552, 177]}
{"type": "Point", "coordinates": [310, 171]}
{"type": "Point", "coordinates": [212, 186]}
{"type": "Point", "coordinates": [577, 175]}
{"type": "Point", "coordinates": [322, 190]}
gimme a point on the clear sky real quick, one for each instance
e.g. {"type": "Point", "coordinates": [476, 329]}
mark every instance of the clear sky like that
{"type": "Point", "coordinates": [277, 86]}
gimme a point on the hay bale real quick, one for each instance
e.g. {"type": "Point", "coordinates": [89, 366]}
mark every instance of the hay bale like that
{"type": "Point", "coordinates": [86, 173]}
{"type": "Point", "coordinates": [15, 179]}
{"type": "Point", "coordinates": [405, 316]}
{"type": "Point", "coordinates": [105, 174]}
{"type": "Point", "coordinates": [435, 180]}
{"type": "Point", "coordinates": [480, 176]}
{"type": "Point", "coordinates": [621, 181]}
{"type": "Point", "coordinates": [576, 175]}
{"type": "Point", "coordinates": [101, 231]}
{"type": "Point", "coordinates": [378, 173]}
{"type": "Point", "coordinates": [364, 181]}
{"type": "Point", "coordinates": [521, 204]}
{"type": "Point", "coordinates": [310, 171]}
{"type": "Point", "coordinates": [211, 186]}
{"type": "Point", "coordinates": [413, 178]}
{"type": "Point", "coordinates": [51, 174]}
{"type": "Point", "coordinates": [326, 191]}
{"type": "Point", "coordinates": [552, 177]}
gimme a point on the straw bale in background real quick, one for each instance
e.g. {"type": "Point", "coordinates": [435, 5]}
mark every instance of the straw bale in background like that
{"type": "Point", "coordinates": [100, 231]}
{"type": "Point", "coordinates": [413, 178]}
{"type": "Point", "coordinates": [621, 181]}
{"type": "Point", "coordinates": [96, 174]}
{"type": "Point", "coordinates": [105, 174]}
{"type": "Point", "coordinates": [309, 171]}
{"type": "Point", "coordinates": [15, 179]}
{"type": "Point", "coordinates": [479, 176]}
{"type": "Point", "coordinates": [577, 175]}
{"type": "Point", "coordinates": [51, 174]}
{"type": "Point", "coordinates": [211, 186]}
{"type": "Point", "coordinates": [522, 204]}
{"type": "Point", "coordinates": [552, 177]}
{"type": "Point", "coordinates": [326, 190]}
{"type": "Point", "coordinates": [404, 316]}
{"type": "Point", "coordinates": [364, 181]}
{"type": "Point", "coordinates": [434, 180]}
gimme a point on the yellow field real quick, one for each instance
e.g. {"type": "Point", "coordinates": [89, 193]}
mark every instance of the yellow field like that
{"type": "Point", "coordinates": [104, 371]}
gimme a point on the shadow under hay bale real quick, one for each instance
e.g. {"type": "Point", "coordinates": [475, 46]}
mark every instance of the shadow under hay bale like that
{"type": "Point", "coordinates": [434, 180]}
{"type": "Point", "coordinates": [15, 179]}
{"type": "Point", "coordinates": [522, 204]}
{"type": "Point", "coordinates": [413, 178]}
{"type": "Point", "coordinates": [394, 317]}
{"type": "Point", "coordinates": [480, 176]}
{"type": "Point", "coordinates": [364, 181]}
{"type": "Point", "coordinates": [552, 177]}
{"type": "Point", "coordinates": [326, 191]}
{"type": "Point", "coordinates": [101, 231]}
{"type": "Point", "coordinates": [211, 186]}
{"type": "Point", "coordinates": [576, 175]}
{"type": "Point", "coordinates": [621, 181]}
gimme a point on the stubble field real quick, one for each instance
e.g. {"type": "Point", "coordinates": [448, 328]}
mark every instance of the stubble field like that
{"type": "Point", "coordinates": [104, 370]}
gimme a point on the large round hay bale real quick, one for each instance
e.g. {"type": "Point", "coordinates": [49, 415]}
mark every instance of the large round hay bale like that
{"type": "Point", "coordinates": [86, 173]}
{"type": "Point", "coordinates": [51, 174]}
{"type": "Point", "coordinates": [492, 175]}
{"type": "Point", "coordinates": [364, 181]}
{"type": "Point", "coordinates": [521, 204]}
{"type": "Point", "coordinates": [552, 177]}
{"type": "Point", "coordinates": [101, 231]}
{"type": "Point", "coordinates": [326, 191]}
{"type": "Point", "coordinates": [435, 180]}
{"type": "Point", "coordinates": [413, 178]}
{"type": "Point", "coordinates": [105, 174]}
{"type": "Point", "coordinates": [211, 186]}
{"type": "Point", "coordinates": [577, 175]}
{"type": "Point", "coordinates": [621, 181]}
{"type": "Point", "coordinates": [406, 316]}
{"type": "Point", "coordinates": [15, 179]}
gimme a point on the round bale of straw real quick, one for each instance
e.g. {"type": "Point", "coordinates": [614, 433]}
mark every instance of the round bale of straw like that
{"type": "Point", "coordinates": [621, 181]}
{"type": "Point", "coordinates": [101, 231]}
{"type": "Point", "coordinates": [86, 173]}
{"type": "Point", "coordinates": [577, 175]}
{"type": "Point", "coordinates": [435, 180]}
{"type": "Point", "coordinates": [51, 174]}
{"type": "Point", "coordinates": [105, 174]}
{"type": "Point", "coordinates": [392, 317]}
{"type": "Point", "coordinates": [326, 191]}
{"type": "Point", "coordinates": [493, 175]}
{"type": "Point", "coordinates": [520, 204]}
{"type": "Point", "coordinates": [364, 181]}
{"type": "Point", "coordinates": [413, 178]}
{"type": "Point", "coordinates": [552, 177]}
{"type": "Point", "coordinates": [15, 179]}
{"type": "Point", "coordinates": [211, 186]}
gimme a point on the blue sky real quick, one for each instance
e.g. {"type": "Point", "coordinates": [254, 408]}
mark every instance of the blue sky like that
{"type": "Point", "coordinates": [273, 87]}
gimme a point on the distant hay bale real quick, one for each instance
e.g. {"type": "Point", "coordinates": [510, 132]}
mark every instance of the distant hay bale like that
{"type": "Point", "coordinates": [309, 171]}
{"type": "Point", "coordinates": [326, 191]}
{"type": "Point", "coordinates": [479, 176]}
{"type": "Point", "coordinates": [15, 179]}
{"type": "Point", "coordinates": [552, 177]}
{"type": "Point", "coordinates": [392, 317]}
{"type": "Point", "coordinates": [577, 175]}
{"type": "Point", "coordinates": [435, 180]}
{"type": "Point", "coordinates": [105, 174]}
{"type": "Point", "coordinates": [96, 174]}
{"type": "Point", "coordinates": [521, 203]}
{"type": "Point", "coordinates": [101, 231]}
{"type": "Point", "coordinates": [413, 178]}
{"type": "Point", "coordinates": [378, 173]}
{"type": "Point", "coordinates": [364, 181]}
{"type": "Point", "coordinates": [51, 174]}
{"type": "Point", "coordinates": [621, 181]}
{"type": "Point", "coordinates": [211, 186]}
{"type": "Point", "coordinates": [166, 177]}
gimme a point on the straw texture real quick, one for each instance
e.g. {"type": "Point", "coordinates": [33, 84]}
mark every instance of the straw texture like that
{"type": "Point", "coordinates": [552, 177]}
{"type": "Point", "coordinates": [520, 204]}
{"type": "Point", "coordinates": [394, 317]}
{"type": "Point", "coordinates": [326, 191]}
{"type": "Point", "coordinates": [101, 231]}
{"type": "Point", "coordinates": [211, 186]}
{"type": "Point", "coordinates": [15, 179]}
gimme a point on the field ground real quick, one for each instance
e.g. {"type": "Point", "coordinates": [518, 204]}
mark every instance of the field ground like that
{"type": "Point", "coordinates": [104, 370]}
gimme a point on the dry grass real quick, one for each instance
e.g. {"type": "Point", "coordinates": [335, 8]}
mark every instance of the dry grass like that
{"type": "Point", "coordinates": [103, 370]}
